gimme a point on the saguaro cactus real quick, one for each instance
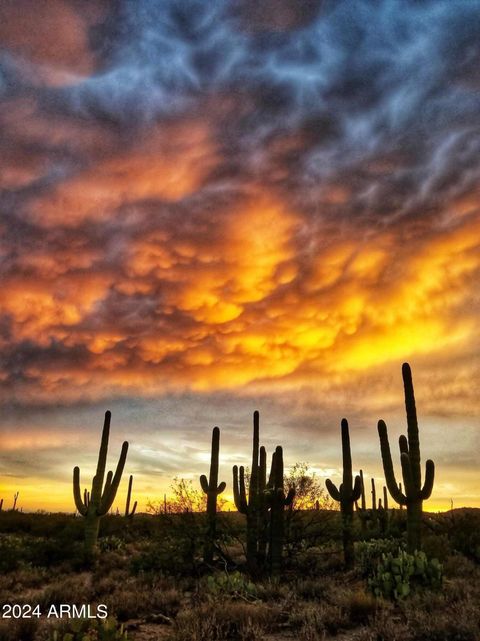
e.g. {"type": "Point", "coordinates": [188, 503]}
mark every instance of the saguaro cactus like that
{"type": "Point", "coordinates": [383, 514]}
{"type": "Point", "coordinates": [98, 501]}
{"type": "Point", "coordinates": [385, 498]}
{"type": "Point", "coordinates": [15, 499]}
{"type": "Point", "coordinates": [414, 493]}
{"type": "Point", "coordinates": [1, 505]}
{"type": "Point", "coordinates": [277, 501]}
{"type": "Point", "coordinates": [374, 495]}
{"type": "Point", "coordinates": [252, 507]}
{"type": "Point", "coordinates": [212, 490]}
{"type": "Point", "coordinates": [348, 492]}
{"type": "Point", "coordinates": [362, 512]}
{"type": "Point", "coordinates": [255, 507]}
{"type": "Point", "coordinates": [129, 513]}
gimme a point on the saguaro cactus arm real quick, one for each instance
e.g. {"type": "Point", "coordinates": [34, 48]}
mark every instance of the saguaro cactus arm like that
{"type": "Point", "coordinates": [239, 493]}
{"type": "Point", "coordinates": [392, 484]}
{"type": "Point", "coordinates": [429, 479]}
{"type": "Point", "coordinates": [111, 485]}
{"type": "Point", "coordinates": [275, 482]}
{"type": "Point", "coordinates": [357, 489]}
{"type": "Point", "coordinates": [211, 484]}
{"type": "Point", "coordinates": [333, 490]}
{"type": "Point", "coordinates": [363, 504]}
{"type": "Point", "coordinates": [129, 512]}
{"type": "Point", "coordinates": [412, 425]}
{"type": "Point", "coordinates": [80, 504]}
{"type": "Point", "coordinates": [262, 470]}
{"type": "Point", "coordinates": [254, 473]}
{"type": "Point", "coordinates": [257, 474]}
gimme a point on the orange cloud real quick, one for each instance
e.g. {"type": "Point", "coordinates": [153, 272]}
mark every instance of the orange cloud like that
{"type": "Point", "coordinates": [42, 310]}
{"type": "Point", "coordinates": [168, 163]}
{"type": "Point", "coordinates": [26, 28]}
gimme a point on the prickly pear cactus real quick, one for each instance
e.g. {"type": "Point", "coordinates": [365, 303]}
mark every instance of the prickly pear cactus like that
{"type": "Point", "coordinates": [397, 576]}
{"type": "Point", "coordinates": [88, 630]}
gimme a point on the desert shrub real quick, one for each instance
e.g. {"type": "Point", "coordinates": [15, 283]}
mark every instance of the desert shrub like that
{"type": "Point", "coordinates": [313, 588]}
{"type": "Point", "coordinates": [436, 546]}
{"type": "Point", "coordinates": [319, 560]}
{"type": "Point", "coordinates": [23, 579]}
{"type": "Point", "coordinates": [49, 552]}
{"type": "Point", "coordinates": [313, 621]}
{"type": "Point", "coordinates": [74, 588]}
{"type": "Point", "coordinates": [273, 590]}
{"type": "Point", "coordinates": [12, 552]}
{"type": "Point", "coordinates": [233, 585]}
{"type": "Point", "coordinates": [127, 603]}
{"type": "Point", "coordinates": [463, 531]}
{"type": "Point", "coordinates": [33, 551]}
{"type": "Point", "coordinates": [360, 606]}
{"type": "Point", "coordinates": [368, 554]}
{"type": "Point", "coordinates": [18, 629]}
{"type": "Point", "coordinates": [89, 630]}
{"type": "Point", "coordinates": [452, 622]}
{"type": "Point", "coordinates": [395, 577]}
{"type": "Point", "coordinates": [110, 543]}
{"type": "Point", "coordinates": [385, 627]}
{"type": "Point", "coordinates": [212, 621]}
{"type": "Point", "coordinates": [169, 555]}
{"type": "Point", "coordinates": [458, 565]}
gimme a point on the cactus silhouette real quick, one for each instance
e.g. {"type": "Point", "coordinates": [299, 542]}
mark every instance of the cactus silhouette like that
{"type": "Point", "coordinates": [98, 501]}
{"type": "Point", "coordinates": [129, 513]}
{"type": "Point", "coordinates": [1, 505]}
{"type": "Point", "coordinates": [374, 495]}
{"type": "Point", "coordinates": [383, 514]}
{"type": "Point", "coordinates": [15, 499]}
{"type": "Point", "coordinates": [376, 515]}
{"type": "Point", "coordinates": [414, 493]}
{"type": "Point", "coordinates": [348, 492]}
{"type": "Point", "coordinates": [362, 512]}
{"type": "Point", "coordinates": [212, 490]}
{"type": "Point", "coordinates": [255, 507]}
{"type": "Point", "coordinates": [277, 501]}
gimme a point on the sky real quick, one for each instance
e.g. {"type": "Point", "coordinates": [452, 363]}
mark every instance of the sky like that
{"type": "Point", "coordinates": [209, 208]}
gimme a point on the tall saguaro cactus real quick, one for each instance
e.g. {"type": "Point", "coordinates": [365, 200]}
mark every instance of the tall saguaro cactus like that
{"type": "Point", "coordinates": [212, 490]}
{"type": "Point", "coordinates": [362, 512]}
{"type": "Point", "coordinates": [277, 501]}
{"type": "Point", "coordinates": [99, 500]}
{"type": "Point", "coordinates": [414, 493]}
{"type": "Point", "coordinates": [348, 492]}
{"type": "Point", "coordinates": [252, 507]}
{"type": "Point", "coordinates": [129, 513]}
{"type": "Point", "coordinates": [255, 506]}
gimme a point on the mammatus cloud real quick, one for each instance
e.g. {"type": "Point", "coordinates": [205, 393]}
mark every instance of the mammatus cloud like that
{"type": "Point", "coordinates": [261, 200]}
